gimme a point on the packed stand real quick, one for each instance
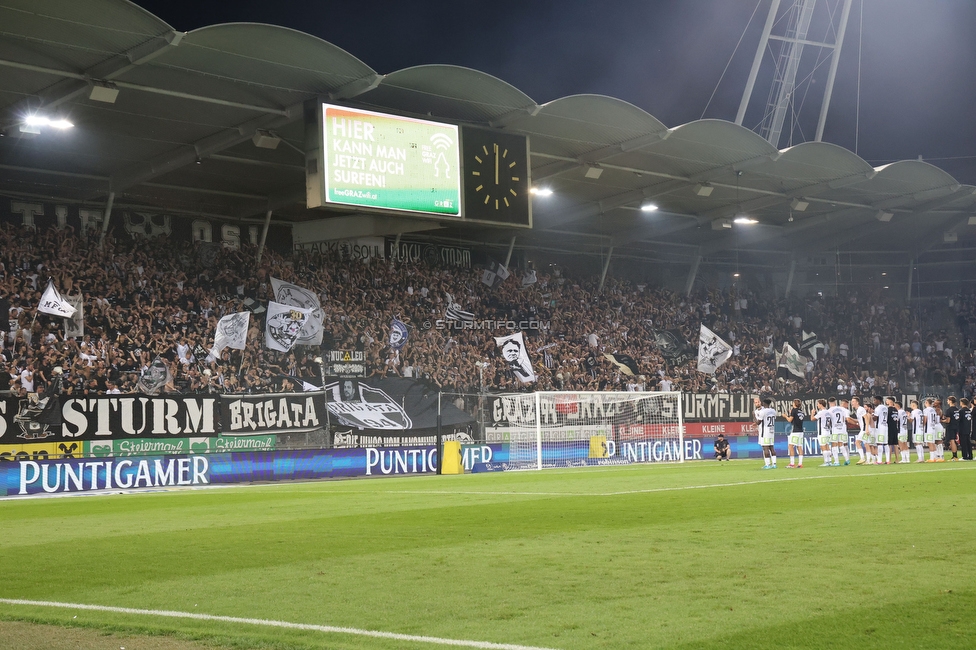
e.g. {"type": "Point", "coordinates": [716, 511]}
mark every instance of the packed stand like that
{"type": "Point", "coordinates": [149, 298]}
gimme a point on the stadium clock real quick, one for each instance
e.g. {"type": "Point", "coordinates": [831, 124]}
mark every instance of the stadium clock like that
{"type": "Point", "coordinates": [496, 183]}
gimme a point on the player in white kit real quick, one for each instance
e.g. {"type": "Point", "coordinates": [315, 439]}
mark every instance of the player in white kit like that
{"type": "Point", "coordinates": [839, 442]}
{"type": "Point", "coordinates": [860, 413]}
{"type": "Point", "coordinates": [824, 430]}
{"type": "Point", "coordinates": [766, 421]}
{"type": "Point", "coordinates": [930, 423]}
{"type": "Point", "coordinates": [918, 427]}
{"type": "Point", "coordinates": [881, 430]}
{"type": "Point", "coordinates": [905, 456]}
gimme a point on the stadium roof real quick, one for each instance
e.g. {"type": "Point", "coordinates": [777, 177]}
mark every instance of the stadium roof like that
{"type": "Point", "coordinates": [178, 138]}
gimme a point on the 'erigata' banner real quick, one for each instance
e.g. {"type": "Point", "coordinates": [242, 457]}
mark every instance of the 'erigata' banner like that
{"type": "Point", "coordinates": [244, 415]}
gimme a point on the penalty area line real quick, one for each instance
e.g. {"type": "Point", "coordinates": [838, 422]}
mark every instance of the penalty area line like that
{"type": "Point", "coordinates": [329, 629]}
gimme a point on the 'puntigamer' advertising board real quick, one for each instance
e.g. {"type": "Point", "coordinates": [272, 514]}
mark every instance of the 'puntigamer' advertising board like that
{"type": "Point", "coordinates": [388, 162]}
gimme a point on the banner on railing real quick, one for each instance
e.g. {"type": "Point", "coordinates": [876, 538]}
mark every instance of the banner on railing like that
{"type": "Point", "coordinates": [507, 410]}
{"type": "Point", "coordinates": [244, 415]}
{"type": "Point", "coordinates": [388, 406]}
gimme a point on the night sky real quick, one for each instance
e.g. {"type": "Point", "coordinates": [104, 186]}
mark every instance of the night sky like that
{"type": "Point", "coordinates": [918, 58]}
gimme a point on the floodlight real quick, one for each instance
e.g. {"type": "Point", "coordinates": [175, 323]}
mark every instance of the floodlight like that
{"type": "Point", "coordinates": [541, 191]}
{"type": "Point", "coordinates": [103, 91]}
{"type": "Point", "coordinates": [36, 121]}
{"type": "Point", "coordinates": [742, 219]}
{"type": "Point", "coordinates": [649, 207]}
{"type": "Point", "coordinates": [264, 139]}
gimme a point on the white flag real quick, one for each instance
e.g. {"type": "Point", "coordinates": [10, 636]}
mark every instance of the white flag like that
{"type": "Point", "coordinates": [231, 332]}
{"type": "Point", "coordinates": [454, 312]}
{"type": "Point", "coordinates": [287, 293]}
{"type": "Point", "coordinates": [514, 352]}
{"type": "Point", "coordinates": [284, 325]}
{"type": "Point", "coordinates": [529, 278]}
{"type": "Point", "coordinates": [712, 351]}
{"type": "Point", "coordinates": [74, 327]}
{"type": "Point", "coordinates": [52, 302]}
{"type": "Point", "coordinates": [792, 361]}
{"type": "Point", "coordinates": [495, 271]}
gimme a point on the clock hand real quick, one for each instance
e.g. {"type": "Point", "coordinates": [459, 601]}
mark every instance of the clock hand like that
{"type": "Point", "coordinates": [496, 164]}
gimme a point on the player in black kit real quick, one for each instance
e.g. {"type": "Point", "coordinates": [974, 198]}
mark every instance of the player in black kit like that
{"type": "Point", "coordinates": [950, 419]}
{"type": "Point", "coordinates": [966, 429]}
{"type": "Point", "coordinates": [796, 418]}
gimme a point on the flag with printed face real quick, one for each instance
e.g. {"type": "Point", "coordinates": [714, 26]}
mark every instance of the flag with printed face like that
{"type": "Point", "coordinates": [515, 354]}
{"type": "Point", "coordinates": [712, 351]}
{"type": "Point", "coordinates": [792, 361]}
{"type": "Point", "coordinates": [398, 334]}
{"type": "Point", "coordinates": [231, 332]}
{"type": "Point", "coordinates": [454, 312]}
{"type": "Point", "coordinates": [74, 326]}
{"type": "Point", "coordinates": [154, 378]}
{"type": "Point", "coordinates": [53, 303]}
{"type": "Point", "coordinates": [287, 293]}
{"type": "Point", "coordinates": [284, 326]}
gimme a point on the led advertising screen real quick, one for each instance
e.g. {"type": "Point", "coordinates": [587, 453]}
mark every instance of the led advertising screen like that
{"type": "Point", "coordinates": [388, 162]}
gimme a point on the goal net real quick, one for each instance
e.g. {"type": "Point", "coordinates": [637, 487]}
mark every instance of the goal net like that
{"type": "Point", "coordinates": [563, 429]}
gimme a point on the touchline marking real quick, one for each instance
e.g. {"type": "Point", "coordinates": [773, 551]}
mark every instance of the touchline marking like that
{"type": "Point", "coordinates": [676, 488]}
{"type": "Point", "coordinates": [487, 645]}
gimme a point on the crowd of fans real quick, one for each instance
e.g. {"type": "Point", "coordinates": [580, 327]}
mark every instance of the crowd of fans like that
{"type": "Point", "coordinates": [149, 298]}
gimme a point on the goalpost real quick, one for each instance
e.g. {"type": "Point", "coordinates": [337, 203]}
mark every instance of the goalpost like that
{"type": "Point", "coordinates": [576, 429]}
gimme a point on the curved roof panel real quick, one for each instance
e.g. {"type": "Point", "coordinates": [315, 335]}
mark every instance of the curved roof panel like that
{"type": "Point", "coordinates": [820, 161]}
{"type": "Point", "coordinates": [73, 35]}
{"type": "Point", "coordinates": [103, 26]}
{"type": "Point", "coordinates": [915, 174]}
{"type": "Point", "coordinates": [592, 120]}
{"type": "Point", "coordinates": [449, 91]}
{"type": "Point", "coordinates": [267, 56]}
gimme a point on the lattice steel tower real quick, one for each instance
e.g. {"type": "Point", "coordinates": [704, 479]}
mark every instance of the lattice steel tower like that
{"type": "Point", "coordinates": [790, 29]}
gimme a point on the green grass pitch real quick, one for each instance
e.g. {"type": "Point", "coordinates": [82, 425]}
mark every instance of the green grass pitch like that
{"type": "Point", "coordinates": [696, 555]}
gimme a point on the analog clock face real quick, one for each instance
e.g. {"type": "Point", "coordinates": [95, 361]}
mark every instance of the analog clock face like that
{"type": "Point", "coordinates": [497, 176]}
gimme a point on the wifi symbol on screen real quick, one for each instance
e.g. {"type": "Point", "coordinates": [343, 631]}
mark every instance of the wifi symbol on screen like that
{"type": "Point", "coordinates": [441, 141]}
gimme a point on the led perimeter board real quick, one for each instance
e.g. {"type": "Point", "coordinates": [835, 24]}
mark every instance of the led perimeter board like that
{"type": "Point", "coordinates": [388, 162]}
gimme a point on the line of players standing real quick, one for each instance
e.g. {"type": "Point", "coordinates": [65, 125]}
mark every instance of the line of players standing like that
{"type": "Point", "coordinates": [884, 427]}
